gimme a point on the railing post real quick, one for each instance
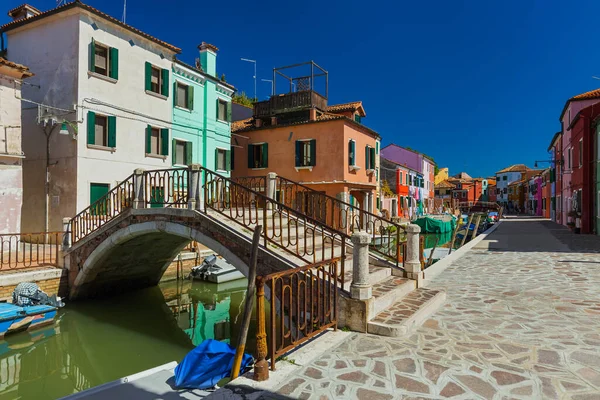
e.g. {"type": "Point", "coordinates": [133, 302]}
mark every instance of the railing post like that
{"type": "Point", "coordinates": [67, 239]}
{"type": "Point", "coordinates": [194, 195]}
{"type": "Point", "coordinates": [412, 264]}
{"type": "Point", "coordinates": [271, 187]}
{"type": "Point", "coordinates": [360, 288]}
{"type": "Point", "coordinates": [261, 367]}
{"type": "Point", "coordinates": [138, 188]}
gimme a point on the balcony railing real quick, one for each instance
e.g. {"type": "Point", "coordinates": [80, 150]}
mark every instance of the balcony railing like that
{"type": "Point", "coordinates": [290, 102]}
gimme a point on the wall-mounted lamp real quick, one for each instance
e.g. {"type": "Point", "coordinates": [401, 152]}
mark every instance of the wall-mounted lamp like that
{"type": "Point", "coordinates": [63, 129]}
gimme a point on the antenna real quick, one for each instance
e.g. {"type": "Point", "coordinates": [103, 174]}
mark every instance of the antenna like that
{"type": "Point", "coordinates": [60, 2]}
{"type": "Point", "coordinates": [124, 10]}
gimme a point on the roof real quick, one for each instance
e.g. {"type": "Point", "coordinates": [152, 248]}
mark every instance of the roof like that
{"type": "Point", "coordinates": [554, 138]}
{"type": "Point", "coordinates": [247, 124]}
{"type": "Point", "coordinates": [208, 46]}
{"type": "Point", "coordinates": [204, 74]}
{"type": "Point", "coordinates": [514, 168]}
{"type": "Point", "coordinates": [78, 4]}
{"type": "Point", "coordinates": [592, 94]}
{"type": "Point", "coordinates": [23, 70]}
{"type": "Point", "coordinates": [352, 106]}
{"type": "Point", "coordinates": [21, 7]}
{"type": "Point", "coordinates": [517, 182]}
{"type": "Point", "coordinates": [445, 185]}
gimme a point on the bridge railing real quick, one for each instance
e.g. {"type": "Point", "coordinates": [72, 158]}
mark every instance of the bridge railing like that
{"type": "Point", "coordinates": [166, 188]}
{"type": "Point", "coordinates": [29, 250]}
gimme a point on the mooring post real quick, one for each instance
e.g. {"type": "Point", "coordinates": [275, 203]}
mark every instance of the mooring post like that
{"type": "Point", "coordinates": [194, 187]}
{"type": "Point", "coordinates": [271, 188]}
{"type": "Point", "coordinates": [360, 288]}
{"type": "Point", "coordinates": [67, 240]}
{"type": "Point", "coordinates": [412, 265]}
{"type": "Point", "coordinates": [138, 188]}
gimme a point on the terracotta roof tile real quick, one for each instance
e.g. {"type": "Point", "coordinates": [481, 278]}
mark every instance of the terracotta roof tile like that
{"type": "Point", "coordinates": [77, 3]}
{"type": "Point", "coordinates": [208, 46]}
{"type": "Point", "coordinates": [592, 94]}
{"type": "Point", "coordinates": [345, 106]}
{"type": "Point", "coordinates": [241, 125]}
{"type": "Point", "coordinates": [514, 168]}
{"type": "Point", "coordinates": [21, 68]}
{"type": "Point", "coordinates": [22, 6]}
{"type": "Point", "coordinates": [445, 185]}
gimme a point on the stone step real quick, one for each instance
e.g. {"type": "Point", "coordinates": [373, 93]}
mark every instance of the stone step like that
{"type": "Point", "coordinates": [407, 312]}
{"type": "Point", "coordinates": [376, 274]}
{"type": "Point", "coordinates": [389, 291]}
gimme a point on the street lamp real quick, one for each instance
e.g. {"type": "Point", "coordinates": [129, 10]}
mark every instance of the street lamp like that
{"type": "Point", "coordinates": [269, 80]}
{"type": "Point", "coordinates": [252, 61]}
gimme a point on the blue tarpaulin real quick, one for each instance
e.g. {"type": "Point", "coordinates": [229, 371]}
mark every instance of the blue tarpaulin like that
{"type": "Point", "coordinates": [206, 365]}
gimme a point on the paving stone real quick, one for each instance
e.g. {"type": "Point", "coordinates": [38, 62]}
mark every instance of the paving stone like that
{"type": "Point", "coordinates": [477, 385]}
{"type": "Point", "coordinates": [365, 394]}
{"type": "Point", "coordinates": [356, 376]}
{"type": "Point", "coordinates": [524, 391]}
{"type": "Point", "coordinates": [288, 388]}
{"type": "Point", "coordinates": [433, 371]}
{"type": "Point", "coordinates": [411, 385]}
{"type": "Point", "coordinates": [313, 373]}
{"type": "Point", "coordinates": [451, 389]}
{"type": "Point", "coordinates": [405, 365]}
{"type": "Point", "coordinates": [588, 359]}
{"type": "Point", "coordinates": [506, 378]}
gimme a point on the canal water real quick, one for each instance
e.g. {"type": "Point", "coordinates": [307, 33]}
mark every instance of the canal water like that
{"type": "Point", "coordinates": [98, 341]}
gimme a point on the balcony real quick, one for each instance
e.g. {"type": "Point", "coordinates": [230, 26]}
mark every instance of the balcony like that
{"type": "Point", "coordinates": [290, 102]}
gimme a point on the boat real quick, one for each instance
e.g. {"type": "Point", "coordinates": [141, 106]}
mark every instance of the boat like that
{"type": "Point", "coordinates": [215, 269]}
{"type": "Point", "coordinates": [14, 318]}
{"type": "Point", "coordinates": [436, 223]}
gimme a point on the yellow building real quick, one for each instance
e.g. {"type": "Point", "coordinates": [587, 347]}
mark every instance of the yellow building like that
{"type": "Point", "coordinates": [441, 176]}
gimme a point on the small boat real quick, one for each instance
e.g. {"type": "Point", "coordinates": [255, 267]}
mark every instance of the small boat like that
{"type": "Point", "coordinates": [14, 318]}
{"type": "Point", "coordinates": [215, 269]}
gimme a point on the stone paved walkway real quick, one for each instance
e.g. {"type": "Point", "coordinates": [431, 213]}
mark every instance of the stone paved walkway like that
{"type": "Point", "coordinates": [522, 321]}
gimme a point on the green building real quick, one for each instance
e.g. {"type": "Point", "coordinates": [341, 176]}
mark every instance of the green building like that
{"type": "Point", "coordinates": [201, 114]}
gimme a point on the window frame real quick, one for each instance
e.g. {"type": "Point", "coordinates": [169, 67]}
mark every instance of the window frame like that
{"type": "Point", "coordinates": [105, 134]}
{"type": "Point", "coordinates": [158, 141]}
{"type": "Point", "coordinates": [224, 103]}
{"type": "Point", "coordinates": [107, 49]}
{"type": "Point", "coordinates": [260, 154]}
{"type": "Point", "coordinates": [159, 84]}
{"type": "Point", "coordinates": [185, 100]}
{"type": "Point", "coordinates": [185, 150]}
{"type": "Point", "coordinates": [305, 158]}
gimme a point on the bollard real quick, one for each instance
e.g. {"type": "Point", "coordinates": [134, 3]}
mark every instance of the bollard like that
{"type": "Point", "coordinates": [271, 188]}
{"type": "Point", "coordinates": [360, 288]}
{"type": "Point", "coordinates": [194, 202]}
{"type": "Point", "coordinates": [412, 265]}
{"type": "Point", "coordinates": [67, 242]}
{"type": "Point", "coordinates": [138, 189]}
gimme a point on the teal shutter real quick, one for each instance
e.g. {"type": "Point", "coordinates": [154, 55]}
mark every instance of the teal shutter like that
{"type": "Point", "coordinates": [165, 83]}
{"type": "Point", "coordinates": [228, 112]}
{"type": "Point", "coordinates": [148, 76]}
{"type": "Point", "coordinates": [352, 152]}
{"type": "Point", "coordinates": [188, 153]}
{"type": "Point", "coordinates": [298, 153]}
{"type": "Point", "coordinates": [190, 97]}
{"type": "Point", "coordinates": [216, 159]}
{"type": "Point", "coordinates": [232, 152]}
{"type": "Point", "coordinates": [313, 152]}
{"type": "Point", "coordinates": [92, 51]}
{"type": "Point", "coordinates": [264, 162]}
{"type": "Point", "coordinates": [228, 160]}
{"type": "Point", "coordinates": [250, 156]}
{"type": "Point", "coordinates": [112, 131]}
{"type": "Point", "coordinates": [173, 151]}
{"type": "Point", "coordinates": [377, 145]}
{"type": "Point", "coordinates": [174, 94]}
{"type": "Point", "coordinates": [164, 139]}
{"type": "Point", "coordinates": [372, 157]}
{"type": "Point", "coordinates": [91, 127]}
{"type": "Point", "coordinates": [217, 109]}
{"type": "Point", "coordinates": [114, 63]}
{"type": "Point", "coordinates": [148, 139]}
{"type": "Point", "coordinates": [367, 154]}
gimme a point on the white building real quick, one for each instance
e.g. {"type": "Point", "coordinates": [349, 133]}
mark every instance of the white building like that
{"type": "Point", "coordinates": [11, 153]}
{"type": "Point", "coordinates": [505, 177]}
{"type": "Point", "coordinates": [103, 83]}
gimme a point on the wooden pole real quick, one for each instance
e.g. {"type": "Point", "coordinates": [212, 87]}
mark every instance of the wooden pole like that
{"type": "Point", "coordinates": [464, 239]}
{"type": "Point", "coordinates": [421, 250]}
{"type": "Point", "coordinates": [250, 294]}
{"type": "Point", "coordinates": [453, 239]}
{"type": "Point", "coordinates": [476, 227]}
{"type": "Point", "coordinates": [437, 240]}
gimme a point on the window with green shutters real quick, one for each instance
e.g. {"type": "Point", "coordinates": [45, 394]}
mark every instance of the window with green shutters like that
{"type": "Point", "coordinates": [222, 160]}
{"type": "Point", "coordinates": [183, 95]}
{"type": "Point", "coordinates": [181, 152]}
{"type": "Point", "coordinates": [223, 110]}
{"type": "Point", "coordinates": [157, 80]}
{"type": "Point", "coordinates": [104, 60]}
{"type": "Point", "coordinates": [369, 157]}
{"type": "Point", "coordinates": [357, 118]}
{"type": "Point", "coordinates": [157, 141]}
{"type": "Point", "coordinates": [306, 153]}
{"type": "Point", "coordinates": [101, 130]}
{"type": "Point", "coordinates": [258, 155]}
{"type": "Point", "coordinates": [351, 153]}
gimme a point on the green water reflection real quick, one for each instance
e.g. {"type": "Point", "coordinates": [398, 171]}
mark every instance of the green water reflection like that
{"type": "Point", "coordinates": [102, 340]}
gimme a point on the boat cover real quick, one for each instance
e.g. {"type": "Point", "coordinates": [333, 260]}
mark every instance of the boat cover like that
{"type": "Point", "coordinates": [432, 225]}
{"type": "Point", "coordinates": [10, 311]}
{"type": "Point", "coordinates": [206, 365]}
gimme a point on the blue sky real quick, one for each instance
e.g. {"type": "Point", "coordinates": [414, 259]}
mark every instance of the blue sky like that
{"type": "Point", "coordinates": [477, 85]}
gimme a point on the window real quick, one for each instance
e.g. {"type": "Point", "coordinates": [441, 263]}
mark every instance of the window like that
{"type": "Point", "coordinates": [504, 177]}
{"type": "Point", "coordinates": [351, 153]}
{"type": "Point", "coordinates": [400, 177]}
{"type": "Point", "coordinates": [182, 152]}
{"type": "Point", "coordinates": [306, 153]}
{"type": "Point", "coordinates": [464, 195]}
{"type": "Point", "coordinates": [357, 118]}
{"type": "Point", "coordinates": [98, 191]}
{"type": "Point", "coordinates": [504, 190]}
{"type": "Point", "coordinates": [222, 160]}
{"type": "Point", "coordinates": [157, 141]}
{"type": "Point", "coordinates": [183, 96]}
{"type": "Point", "coordinates": [157, 80]}
{"type": "Point", "coordinates": [223, 110]}
{"type": "Point", "coordinates": [369, 158]}
{"type": "Point", "coordinates": [104, 60]}
{"type": "Point", "coordinates": [258, 155]}
{"type": "Point", "coordinates": [580, 152]}
{"type": "Point", "coordinates": [231, 162]}
{"type": "Point", "coordinates": [101, 130]}
{"type": "Point", "coordinates": [410, 180]}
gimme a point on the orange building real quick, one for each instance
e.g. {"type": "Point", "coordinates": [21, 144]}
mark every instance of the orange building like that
{"type": "Point", "coordinates": [300, 137]}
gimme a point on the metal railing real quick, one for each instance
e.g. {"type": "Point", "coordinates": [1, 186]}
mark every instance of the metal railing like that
{"type": "Point", "coordinates": [256, 183]}
{"type": "Point", "coordinates": [386, 236]}
{"type": "Point", "coordinates": [304, 303]}
{"type": "Point", "coordinates": [166, 188]}
{"type": "Point", "coordinates": [29, 250]}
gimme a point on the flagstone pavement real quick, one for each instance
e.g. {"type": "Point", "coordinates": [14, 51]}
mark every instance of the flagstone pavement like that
{"type": "Point", "coordinates": [521, 321]}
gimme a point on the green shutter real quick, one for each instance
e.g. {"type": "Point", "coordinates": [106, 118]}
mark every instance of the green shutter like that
{"type": "Point", "coordinates": [298, 153]}
{"type": "Point", "coordinates": [190, 97]}
{"type": "Point", "coordinates": [114, 63]}
{"type": "Point", "coordinates": [353, 152]}
{"type": "Point", "coordinates": [377, 145]}
{"type": "Point", "coordinates": [148, 139]}
{"type": "Point", "coordinates": [165, 83]}
{"type": "Point", "coordinates": [91, 127]}
{"type": "Point", "coordinates": [372, 157]}
{"type": "Point", "coordinates": [228, 160]}
{"type": "Point", "coordinates": [228, 112]}
{"type": "Point", "coordinates": [148, 76]}
{"type": "Point", "coordinates": [173, 151]}
{"type": "Point", "coordinates": [250, 156]}
{"type": "Point", "coordinates": [232, 164]}
{"type": "Point", "coordinates": [174, 94]}
{"type": "Point", "coordinates": [92, 51]}
{"type": "Point", "coordinates": [264, 162]}
{"type": "Point", "coordinates": [313, 152]}
{"type": "Point", "coordinates": [367, 156]}
{"type": "Point", "coordinates": [217, 110]}
{"type": "Point", "coordinates": [188, 153]}
{"type": "Point", "coordinates": [216, 159]}
{"type": "Point", "coordinates": [112, 131]}
{"type": "Point", "coordinates": [164, 138]}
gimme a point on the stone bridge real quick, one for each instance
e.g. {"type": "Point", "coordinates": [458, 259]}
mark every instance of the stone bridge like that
{"type": "Point", "coordinates": [134, 249]}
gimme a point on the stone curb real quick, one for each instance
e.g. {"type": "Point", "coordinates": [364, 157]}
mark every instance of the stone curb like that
{"type": "Point", "coordinates": [31, 276]}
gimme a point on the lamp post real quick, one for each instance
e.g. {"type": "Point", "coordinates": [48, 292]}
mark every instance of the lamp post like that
{"type": "Point", "coordinates": [269, 80]}
{"type": "Point", "coordinates": [252, 61]}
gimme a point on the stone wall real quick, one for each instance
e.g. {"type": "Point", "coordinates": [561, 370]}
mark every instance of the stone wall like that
{"type": "Point", "coordinates": [52, 281]}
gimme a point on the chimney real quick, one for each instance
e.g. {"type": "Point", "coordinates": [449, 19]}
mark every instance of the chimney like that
{"type": "Point", "coordinates": [208, 58]}
{"type": "Point", "coordinates": [23, 12]}
{"type": "Point", "coordinates": [313, 114]}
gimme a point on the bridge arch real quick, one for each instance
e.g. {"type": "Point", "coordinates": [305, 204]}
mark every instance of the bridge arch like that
{"type": "Point", "coordinates": [137, 256]}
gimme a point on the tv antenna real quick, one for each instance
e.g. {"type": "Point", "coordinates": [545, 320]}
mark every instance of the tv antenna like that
{"type": "Point", "coordinates": [124, 10]}
{"type": "Point", "coordinates": [60, 2]}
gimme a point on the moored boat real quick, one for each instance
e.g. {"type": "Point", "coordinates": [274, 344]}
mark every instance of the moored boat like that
{"type": "Point", "coordinates": [14, 318]}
